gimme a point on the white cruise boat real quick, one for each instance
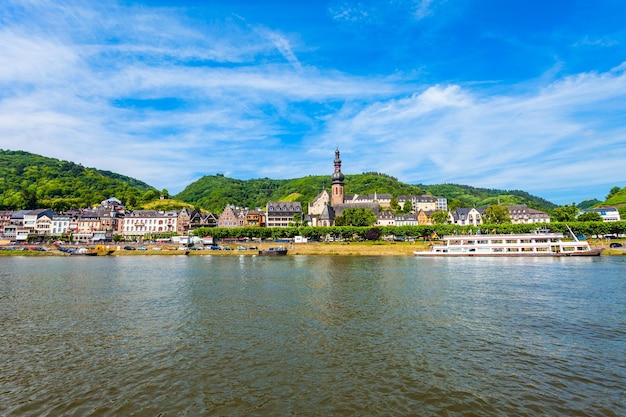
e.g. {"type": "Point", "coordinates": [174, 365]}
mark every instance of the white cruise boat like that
{"type": "Point", "coordinates": [524, 244]}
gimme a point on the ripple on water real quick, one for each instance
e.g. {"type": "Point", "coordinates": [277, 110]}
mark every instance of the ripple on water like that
{"type": "Point", "coordinates": [312, 336]}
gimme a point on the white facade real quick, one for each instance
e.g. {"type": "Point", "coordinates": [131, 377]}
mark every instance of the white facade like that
{"type": "Point", "coordinates": [608, 214]}
{"type": "Point", "coordinates": [142, 222]}
{"type": "Point", "coordinates": [59, 225]}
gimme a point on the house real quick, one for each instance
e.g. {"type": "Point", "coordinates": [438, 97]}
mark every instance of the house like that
{"type": "Point", "coordinates": [281, 214]}
{"type": "Point", "coordinates": [423, 202]}
{"type": "Point", "coordinates": [386, 218]}
{"type": "Point", "coordinates": [183, 223]}
{"type": "Point", "coordinates": [143, 222]}
{"type": "Point", "coordinates": [255, 218]}
{"type": "Point", "coordinates": [60, 225]}
{"type": "Point", "coordinates": [406, 220]}
{"type": "Point", "coordinates": [608, 214]}
{"type": "Point", "coordinates": [231, 217]}
{"type": "Point", "coordinates": [467, 216]}
{"type": "Point", "coordinates": [423, 217]}
{"type": "Point", "coordinates": [198, 219]}
{"type": "Point", "coordinates": [520, 214]}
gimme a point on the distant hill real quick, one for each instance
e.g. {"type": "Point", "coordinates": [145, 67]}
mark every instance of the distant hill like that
{"type": "Point", "coordinates": [33, 181]}
{"type": "Point", "coordinates": [215, 192]}
{"type": "Point", "coordinates": [30, 181]}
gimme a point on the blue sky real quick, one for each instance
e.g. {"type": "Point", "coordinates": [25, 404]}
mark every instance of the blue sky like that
{"type": "Point", "coordinates": [526, 95]}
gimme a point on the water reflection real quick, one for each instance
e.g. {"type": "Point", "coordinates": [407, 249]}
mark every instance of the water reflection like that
{"type": "Point", "coordinates": [312, 336]}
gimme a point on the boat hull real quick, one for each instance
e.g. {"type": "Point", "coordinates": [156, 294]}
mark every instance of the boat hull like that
{"type": "Point", "coordinates": [592, 252]}
{"type": "Point", "coordinates": [273, 252]}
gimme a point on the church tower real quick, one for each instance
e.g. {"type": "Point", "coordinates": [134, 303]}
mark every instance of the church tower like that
{"type": "Point", "coordinates": [337, 182]}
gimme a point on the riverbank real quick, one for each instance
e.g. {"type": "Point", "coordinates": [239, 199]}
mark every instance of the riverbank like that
{"type": "Point", "coordinates": [313, 248]}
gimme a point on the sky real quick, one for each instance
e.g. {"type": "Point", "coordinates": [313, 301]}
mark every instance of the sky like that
{"type": "Point", "coordinates": [513, 95]}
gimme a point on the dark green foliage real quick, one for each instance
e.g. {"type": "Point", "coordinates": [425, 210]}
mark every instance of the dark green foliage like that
{"type": "Point", "coordinates": [590, 216]}
{"type": "Point", "coordinates": [565, 213]}
{"type": "Point", "coordinates": [588, 229]}
{"type": "Point", "coordinates": [213, 193]}
{"type": "Point", "coordinates": [440, 217]}
{"type": "Point", "coordinates": [356, 217]}
{"type": "Point", "coordinates": [28, 180]}
{"type": "Point", "coordinates": [495, 214]}
{"type": "Point", "coordinates": [31, 181]}
{"type": "Point", "coordinates": [588, 204]}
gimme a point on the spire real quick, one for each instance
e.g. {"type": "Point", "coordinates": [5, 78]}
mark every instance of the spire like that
{"type": "Point", "coordinates": [337, 194]}
{"type": "Point", "coordinates": [337, 176]}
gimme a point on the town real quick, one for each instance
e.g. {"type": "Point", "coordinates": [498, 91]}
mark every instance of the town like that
{"type": "Point", "coordinates": [110, 219]}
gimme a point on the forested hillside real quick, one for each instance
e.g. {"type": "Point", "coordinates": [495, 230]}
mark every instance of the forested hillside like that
{"type": "Point", "coordinates": [30, 181]}
{"type": "Point", "coordinates": [467, 196]}
{"type": "Point", "coordinates": [215, 192]}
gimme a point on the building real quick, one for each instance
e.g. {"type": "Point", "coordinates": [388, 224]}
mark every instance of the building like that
{"type": "Point", "coordinates": [144, 222]}
{"type": "Point", "coordinates": [520, 214]}
{"type": "Point", "coordinates": [608, 214]}
{"type": "Point", "coordinates": [231, 217]}
{"type": "Point", "coordinates": [337, 191]}
{"type": "Point", "coordinates": [281, 214]}
{"type": "Point", "coordinates": [319, 203]}
{"type": "Point", "coordinates": [467, 216]}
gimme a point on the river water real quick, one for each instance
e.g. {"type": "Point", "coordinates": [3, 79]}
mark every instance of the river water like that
{"type": "Point", "coordinates": [312, 336]}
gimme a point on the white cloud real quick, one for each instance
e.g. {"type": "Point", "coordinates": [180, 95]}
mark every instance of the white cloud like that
{"type": "Point", "coordinates": [76, 83]}
{"type": "Point", "coordinates": [546, 139]}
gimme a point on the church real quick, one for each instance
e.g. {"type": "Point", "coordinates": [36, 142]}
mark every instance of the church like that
{"type": "Point", "coordinates": [324, 207]}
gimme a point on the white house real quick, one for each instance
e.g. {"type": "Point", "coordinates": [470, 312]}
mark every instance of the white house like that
{"type": "Point", "coordinates": [609, 214]}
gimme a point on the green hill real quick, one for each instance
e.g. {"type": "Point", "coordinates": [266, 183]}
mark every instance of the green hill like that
{"type": "Point", "coordinates": [215, 192]}
{"type": "Point", "coordinates": [616, 199]}
{"type": "Point", "coordinates": [30, 181]}
{"type": "Point", "coordinates": [33, 181]}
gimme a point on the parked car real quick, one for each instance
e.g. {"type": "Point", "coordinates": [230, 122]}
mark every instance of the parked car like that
{"type": "Point", "coordinates": [129, 248]}
{"type": "Point", "coordinates": [241, 247]}
{"type": "Point", "coordinates": [615, 245]}
{"type": "Point", "coordinates": [141, 248]}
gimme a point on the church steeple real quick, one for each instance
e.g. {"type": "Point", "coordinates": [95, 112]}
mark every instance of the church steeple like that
{"type": "Point", "coordinates": [337, 182]}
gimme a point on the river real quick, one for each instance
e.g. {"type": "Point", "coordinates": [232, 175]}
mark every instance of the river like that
{"type": "Point", "coordinates": [312, 336]}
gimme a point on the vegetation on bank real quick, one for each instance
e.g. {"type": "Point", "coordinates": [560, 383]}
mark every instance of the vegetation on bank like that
{"type": "Point", "coordinates": [425, 231]}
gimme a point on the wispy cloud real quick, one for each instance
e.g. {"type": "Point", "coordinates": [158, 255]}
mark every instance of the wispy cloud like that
{"type": "Point", "coordinates": [154, 94]}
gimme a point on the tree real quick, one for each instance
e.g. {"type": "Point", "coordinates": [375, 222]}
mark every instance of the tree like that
{"type": "Point", "coordinates": [440, 217]}
{"type": "Point", "coordinates": [372, 234]}
{"type": "Point", "coordinates": [613, 191]}
{"type": "Point", "coordinates": [590, 216]}
{"type": "Point", "coordinates": [495, 214]}
{"type": "Point", "coordinates": [565, 213]}
{"type": "Point", "coordinates": [356, 217]}
{"type": "Point", "coordinates": [393, 204]}
{"type": "Point", "coordinates": [298, 221]}
{"type": "Point", "coordinates": [408, 206]}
